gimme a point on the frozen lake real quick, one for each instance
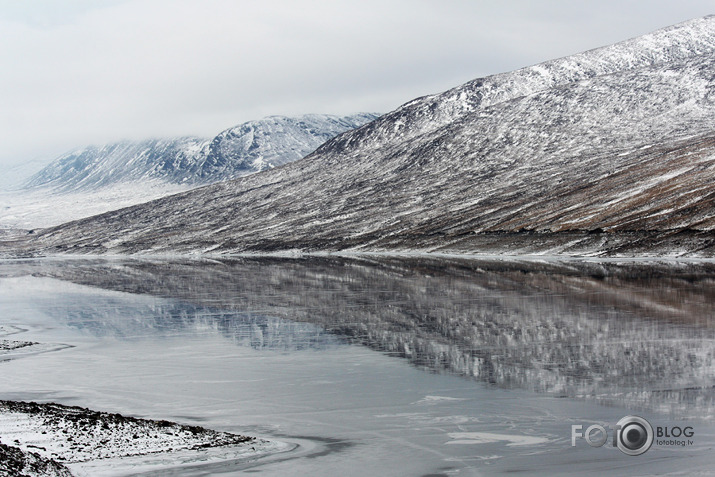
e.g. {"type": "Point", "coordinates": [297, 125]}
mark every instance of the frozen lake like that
{"type": "Point", "coordinates": [376, 365]}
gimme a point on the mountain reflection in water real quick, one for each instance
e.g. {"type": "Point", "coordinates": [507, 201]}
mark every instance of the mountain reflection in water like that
{"type": "Point", "coordinates": [635, 332]}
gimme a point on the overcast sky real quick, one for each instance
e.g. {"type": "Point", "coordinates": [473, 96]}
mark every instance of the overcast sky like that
{"type": "Point", "coordinates": [81, 72]}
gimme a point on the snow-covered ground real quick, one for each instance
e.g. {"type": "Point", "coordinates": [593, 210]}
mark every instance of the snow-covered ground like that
{"type": "Point", "coordinates": [31, 209]}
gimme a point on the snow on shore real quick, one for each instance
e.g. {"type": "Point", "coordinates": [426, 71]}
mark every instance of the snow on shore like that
{"type": "Point", "coordinates": [86, 439]}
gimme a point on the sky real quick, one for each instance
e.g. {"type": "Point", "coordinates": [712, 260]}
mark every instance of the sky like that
{"type": "Point", "coordinates": [81, 72]}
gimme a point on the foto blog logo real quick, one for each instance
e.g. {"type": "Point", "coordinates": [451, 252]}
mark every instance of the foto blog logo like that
{"type": "Point", "coordinates": [633, 435]}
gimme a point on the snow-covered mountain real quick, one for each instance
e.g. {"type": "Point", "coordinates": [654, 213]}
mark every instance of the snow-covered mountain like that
{"type": "Point", "coordinates": [97, 179]}
{"type": "Point", "coordinates": [244, 149]}
{"type": "Point", "coordinates": [100, 166]}
{"type": "Point", "coordinates": [611, 151]}
{"type": "Point", "coordinates": [276, 140]}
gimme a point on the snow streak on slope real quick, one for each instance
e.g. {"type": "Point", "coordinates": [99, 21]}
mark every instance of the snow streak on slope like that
{"type": "Point", "coordinates": [618, 142]}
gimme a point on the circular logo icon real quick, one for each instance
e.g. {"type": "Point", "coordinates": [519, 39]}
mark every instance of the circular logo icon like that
{"type": "Point", "coordinates": [634, 435]}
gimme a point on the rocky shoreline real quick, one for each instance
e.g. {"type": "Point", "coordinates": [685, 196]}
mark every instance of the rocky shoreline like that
{"type": "Point", "coordinates": [41, 438]}
{"type": "Point", "coordinates": [14, 462]}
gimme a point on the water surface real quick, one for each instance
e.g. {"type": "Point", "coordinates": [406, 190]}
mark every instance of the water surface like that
{"type": "Point", "coordinates": [378, 365]}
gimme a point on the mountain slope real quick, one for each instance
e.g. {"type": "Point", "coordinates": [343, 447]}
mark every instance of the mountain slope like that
{"type": "Point", "coordinates": [249, 147]}
{"type": "Point", "coordinates": [611, 151]}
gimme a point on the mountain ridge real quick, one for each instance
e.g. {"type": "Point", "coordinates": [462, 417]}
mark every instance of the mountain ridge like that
{"type": "Point", "coordinates": [609, 164]}
{"type": "Point", "coordinates": [243, 149]}
{"type": "Point", "coordinates": [666, 38]}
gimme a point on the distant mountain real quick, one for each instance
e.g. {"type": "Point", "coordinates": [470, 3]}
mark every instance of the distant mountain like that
{"type": "Point", "coordinates": [247, 148]}
{"type": "Point", "coordinates": [611, 151]}
{"type": "Point", "coordinates": [100, 166]}
{"type": "Point", "coordinates": [276, 140]}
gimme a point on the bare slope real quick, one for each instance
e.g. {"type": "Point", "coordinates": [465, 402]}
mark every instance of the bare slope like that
{"type": "Point", "coordinates": [610, 151]}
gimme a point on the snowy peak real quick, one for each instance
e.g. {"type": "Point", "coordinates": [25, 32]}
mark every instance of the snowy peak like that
{"type": "Point", "coordinates": [276, 140]}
